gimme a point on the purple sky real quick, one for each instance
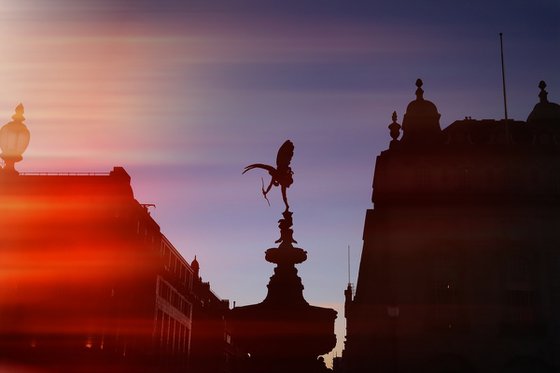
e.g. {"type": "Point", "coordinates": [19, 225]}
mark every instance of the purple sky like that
{"type": "Point", "coordinates": [184, 94]}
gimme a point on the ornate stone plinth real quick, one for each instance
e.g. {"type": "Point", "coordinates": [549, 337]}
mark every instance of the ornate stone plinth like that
{"type": "Point", "coordinates": [284, 333]}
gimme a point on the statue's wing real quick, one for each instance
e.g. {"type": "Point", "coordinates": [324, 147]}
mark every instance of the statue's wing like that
{"type": "Point", "coordinates": [285, 154]}
{"type": "Point", "coordinates": [259, 165]}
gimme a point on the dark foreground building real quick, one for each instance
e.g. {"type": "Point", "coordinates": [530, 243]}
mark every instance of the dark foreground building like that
{"type": "Point", "coordinates": [460, 268]}
{"type": "Point", "coordinates": [90, 284]}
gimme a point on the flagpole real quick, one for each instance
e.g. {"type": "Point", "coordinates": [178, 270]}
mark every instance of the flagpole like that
{"type": "Point", "coordinates": [348, 263]}
{"type": "Point", "coordinates": [504, 87]}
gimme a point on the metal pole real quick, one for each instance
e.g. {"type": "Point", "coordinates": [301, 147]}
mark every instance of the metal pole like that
{"type": "Point", "coordinates": [349, 264]}
{"type": "Point", "coordinates": [504, 86]}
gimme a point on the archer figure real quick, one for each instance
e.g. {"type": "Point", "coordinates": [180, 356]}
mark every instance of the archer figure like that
{"type": "Point", "coordinates": [282, 174]}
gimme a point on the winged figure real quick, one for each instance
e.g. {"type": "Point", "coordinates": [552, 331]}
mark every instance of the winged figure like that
{"type": "Point", "coordinates": [282, 174]}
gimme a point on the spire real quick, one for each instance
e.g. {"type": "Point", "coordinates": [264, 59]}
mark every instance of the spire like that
{"type": "Point", "coordinates": [195, 267]}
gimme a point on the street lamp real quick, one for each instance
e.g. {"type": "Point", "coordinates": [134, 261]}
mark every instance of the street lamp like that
{"type": "Point", "coordinates": [14, 138]}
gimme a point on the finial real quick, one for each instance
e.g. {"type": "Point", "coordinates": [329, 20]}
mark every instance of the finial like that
{"type": "Point", "coordinates": [543, 95]}
{"type": "Point", "coordinates": [419, 90]}
{"type": "Point", "coordinates": [18, 116]}
{"type": "Point", "coordinates": [394, 128]}
{"type": "Point", "coordinates": [195, 265]}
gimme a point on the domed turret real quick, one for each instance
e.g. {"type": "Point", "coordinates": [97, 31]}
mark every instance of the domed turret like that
{"type": "Point", "coordinates": [544, 112]}
{"type": "Point", "coordinates": [421, 121]}
{"type": "Point", "coordinates": [195, 267]}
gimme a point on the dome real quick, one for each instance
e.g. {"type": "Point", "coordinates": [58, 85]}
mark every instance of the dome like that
{"type": "Point", "coordinates": [422, 108]}
{"type": "Point", "coordinates": [194, 264]}
{"type": "Point", "coordinates": [544, 112]}
{"type": "Point", "coordinates": [421, 120]}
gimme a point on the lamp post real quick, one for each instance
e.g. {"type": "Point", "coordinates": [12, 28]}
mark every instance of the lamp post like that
{"type": "Point", "coordinates": [14, 138]}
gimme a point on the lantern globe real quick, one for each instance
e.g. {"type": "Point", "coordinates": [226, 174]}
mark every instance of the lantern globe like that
{"type": "Point", "coordinates": [14, 138]}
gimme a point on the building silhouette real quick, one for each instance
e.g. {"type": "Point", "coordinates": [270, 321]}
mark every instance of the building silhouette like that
{"type": "Point", "coordinates": [90, 284]}
{"type": "Point", "coordinates": [212, 348]}
{"type": "Point", "coordinates": [460, 268]}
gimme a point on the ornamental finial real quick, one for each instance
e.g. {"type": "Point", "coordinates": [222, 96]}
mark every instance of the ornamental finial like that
{"type": "Point", "coordinates": [394, 128]}
{"type": "Point", "coordinates": [543, 95]}
{"type": "Point", "coordinates": [18, 116]}
{"type": "Point", "coordinates": [419, 90]}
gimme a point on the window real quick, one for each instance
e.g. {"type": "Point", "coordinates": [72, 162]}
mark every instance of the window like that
{"type": "Point", "coordinates": [518, 269]}
{"type": "Point", "coordinates": [446, 280]}
{"type": "Point", "coordinates": [166, 331]}
{"type": "Point", "coordinates": [187, 335]}
{"type": "Point", "coordinates": [466, 178]}
{"type": "Point", "coordinates": [422, 177]}
{"type": "Point", "coordinates": [174, 333]}
{"type": "Point", "coordinates": [180, 339]}
{"type": "Point", "coordinates": [158, 332]}
{"type": "Point", "coordinates": [188, 279]}
{"type": "Point", "coordinates": [449, 313]}
{"type": "Point", "coordinates": [520, 298]}
{"type": "Point", "coordinates": [446, 291]}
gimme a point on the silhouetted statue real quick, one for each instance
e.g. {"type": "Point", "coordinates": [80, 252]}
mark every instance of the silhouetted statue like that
{"type": "Point", "coordinates": [282, 174]}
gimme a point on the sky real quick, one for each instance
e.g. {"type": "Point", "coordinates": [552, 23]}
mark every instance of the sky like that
{"type": "Point", "coordinates": [185, 94]}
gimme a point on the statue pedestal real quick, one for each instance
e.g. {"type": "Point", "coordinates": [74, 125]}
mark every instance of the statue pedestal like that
{"type": "Point", "coordinates": [284, 333]}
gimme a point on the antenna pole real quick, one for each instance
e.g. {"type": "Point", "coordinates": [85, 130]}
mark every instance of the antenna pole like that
{"type": "Point", "coordinates": [348, 263]}
{"type": "Point", "coordinates": [504, 86]}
